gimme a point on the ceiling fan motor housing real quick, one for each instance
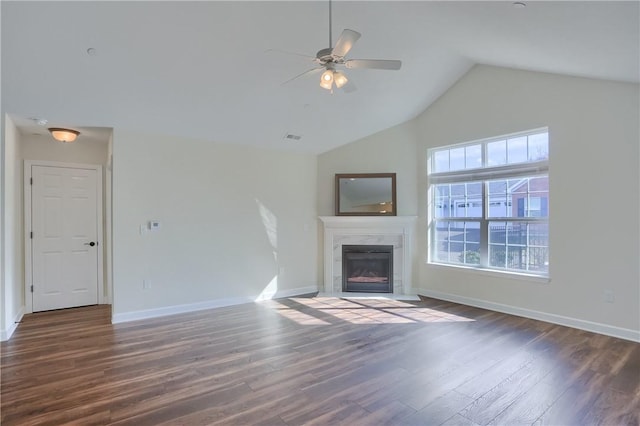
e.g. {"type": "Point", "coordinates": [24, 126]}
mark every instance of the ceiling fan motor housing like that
{"type": "Point", "coordinates": [324, 56]}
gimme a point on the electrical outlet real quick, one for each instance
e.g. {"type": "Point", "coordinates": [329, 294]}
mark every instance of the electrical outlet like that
{"type": "Point", "coordinates": [608, 296]}
{"type": "Point", "coordinates": [146, 284]}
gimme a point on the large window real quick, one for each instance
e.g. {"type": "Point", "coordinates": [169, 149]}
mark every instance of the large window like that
{"type": "Point", "coordinates": [489, 203]}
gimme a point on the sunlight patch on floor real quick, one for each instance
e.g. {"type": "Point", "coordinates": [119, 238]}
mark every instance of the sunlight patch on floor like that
{"type": "Point", "coordinates": [366, 316]}
{"type": "Point", "coordinates": [321, 311]}
{"type": "Point", "coordinates": [294, 314]}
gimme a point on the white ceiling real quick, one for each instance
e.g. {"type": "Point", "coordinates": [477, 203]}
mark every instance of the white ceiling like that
{"type": "Point", "coordinates": [203, 70]}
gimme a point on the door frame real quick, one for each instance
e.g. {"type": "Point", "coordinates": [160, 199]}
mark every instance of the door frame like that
{"type": "Point", "coordinates": [28, 259]}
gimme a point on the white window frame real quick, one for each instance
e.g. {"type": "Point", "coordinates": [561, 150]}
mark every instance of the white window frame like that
{"type": "Point", "coordinates": [483, 175]}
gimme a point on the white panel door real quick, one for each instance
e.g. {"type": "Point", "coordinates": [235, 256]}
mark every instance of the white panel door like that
{"type": "Point", "coordinates": [64, 241]}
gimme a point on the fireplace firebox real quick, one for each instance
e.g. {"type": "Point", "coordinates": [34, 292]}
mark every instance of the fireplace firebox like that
{"type": "Point", "coordinates": [367, 268]}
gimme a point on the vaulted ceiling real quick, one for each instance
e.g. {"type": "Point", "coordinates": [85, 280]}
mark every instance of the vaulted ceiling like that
{"type": "Point", "coordinates": [213, 70]}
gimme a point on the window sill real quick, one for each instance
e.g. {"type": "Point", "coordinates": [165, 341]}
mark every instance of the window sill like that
{"type": "Point", "coordinates": [494, 273]}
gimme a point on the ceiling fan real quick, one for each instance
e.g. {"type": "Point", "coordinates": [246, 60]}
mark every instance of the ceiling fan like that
{"type": "Point", "coordinates": [331, 58]}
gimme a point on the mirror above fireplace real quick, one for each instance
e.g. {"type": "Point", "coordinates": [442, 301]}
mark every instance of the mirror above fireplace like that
{"type": "Point", "coordinates": [365, 194]}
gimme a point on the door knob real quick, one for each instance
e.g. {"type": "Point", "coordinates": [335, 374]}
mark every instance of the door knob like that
{"type": "Point", "coordinates": [90, 244]}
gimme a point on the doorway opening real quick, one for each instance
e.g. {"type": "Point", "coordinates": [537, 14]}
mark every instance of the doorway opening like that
{"type": "Point", "coordinates": [63, 235]}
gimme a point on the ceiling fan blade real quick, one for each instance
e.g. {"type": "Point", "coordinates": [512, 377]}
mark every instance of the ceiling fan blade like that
{"type": "Point", "coordinates": [312, 58]}
{"type": "Point", "coordinates": [344, 44]}
{"type": "Point", "coordinates": [309, 71]}
{"type": "Point", "coordinates": [349, 87]}
{"type": "Point", "coordinates": [378, 64]}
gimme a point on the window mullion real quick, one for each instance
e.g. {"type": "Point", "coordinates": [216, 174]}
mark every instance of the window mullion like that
{"type": "Point", "coordinates": [527, 251]}
{"type": "Point", "coordinates": [484, 228]}
{"type": "Point", "coordinates": [449, 241]}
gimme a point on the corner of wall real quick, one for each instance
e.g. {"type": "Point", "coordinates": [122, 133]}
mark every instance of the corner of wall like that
{"type": "Point", "coordinates": [12, 299]}
{"type": "Point", "coordinates": [2, 210]}
{"type": "Point", "coordinates": [7, 332]}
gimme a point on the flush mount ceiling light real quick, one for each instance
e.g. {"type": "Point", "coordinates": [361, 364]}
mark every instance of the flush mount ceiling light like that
{"type": "Point", "coordinates": [64, 135]}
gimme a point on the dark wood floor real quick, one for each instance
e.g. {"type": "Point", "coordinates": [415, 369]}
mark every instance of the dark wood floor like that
{"type": "Point", "coordinates": [316, 361]}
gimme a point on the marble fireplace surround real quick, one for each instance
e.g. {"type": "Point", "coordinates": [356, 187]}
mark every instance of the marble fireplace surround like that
{"type": "Point", "coordinates": [368, 230]}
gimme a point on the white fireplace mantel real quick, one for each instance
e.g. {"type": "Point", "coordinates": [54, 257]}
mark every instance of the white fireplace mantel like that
{"type": "Point", "coordinates": [368, 230]}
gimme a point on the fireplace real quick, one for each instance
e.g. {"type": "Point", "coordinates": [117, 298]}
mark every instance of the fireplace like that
{"type": "Point", "coordinates": [396, 231]}
{"type": "Point", "coordinates": [367, 268]}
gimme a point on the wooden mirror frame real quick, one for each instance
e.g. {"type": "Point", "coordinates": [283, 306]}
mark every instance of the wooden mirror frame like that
{"type": "Point", "coordinates": [340, 211]}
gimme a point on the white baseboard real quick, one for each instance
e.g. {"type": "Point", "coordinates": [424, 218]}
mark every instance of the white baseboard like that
{"type": "Point", "coordinates": [595, 327]}
{"type": "Point", "coordinates": [8, 332]}
{"type": "Point", "coordinates": [412, 291]}
{"type": "Point", "coordinates": [177, 309]}
{"type": "Point", "coordinates": [296, 292]}
{"type": "Point", "coordinates": [209, 304]}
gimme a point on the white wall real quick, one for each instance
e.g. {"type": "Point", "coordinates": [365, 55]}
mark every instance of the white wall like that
{"type": "Point", "coordinates": [235, 221]}
{"type": "Point", "coordinates": [3, 331]}
{"type": "Point", "coordinates": [108, 229]}
{"type": "Point", "coordinates": [12, 288]}
{"type": "Point", "coordinates": [45, 148]}
{"type": "Point", "coordinates": [594, 188]}
{"type": "Point", "coordinates": [384, 152]}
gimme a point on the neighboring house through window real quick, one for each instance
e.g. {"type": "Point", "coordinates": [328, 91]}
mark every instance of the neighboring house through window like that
{"type": "Point", "coordinates": [489, 203]}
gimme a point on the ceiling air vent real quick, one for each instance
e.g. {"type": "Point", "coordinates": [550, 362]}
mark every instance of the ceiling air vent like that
{"type": "Point", "coordinates": [292, 137]}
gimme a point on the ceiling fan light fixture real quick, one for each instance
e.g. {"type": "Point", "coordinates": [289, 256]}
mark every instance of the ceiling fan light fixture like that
{"type": "Point", "coordinates": [64, 135]}
{"type": "Point", "coordinates": [340, 79]}
{"type": "Point", "coordinates": [329, 58]}
{"type": "Point", "coordinates": [326, 80]}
